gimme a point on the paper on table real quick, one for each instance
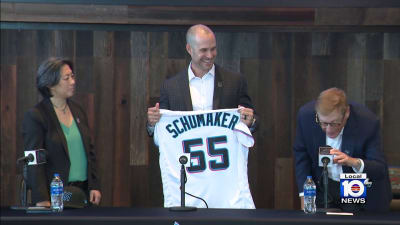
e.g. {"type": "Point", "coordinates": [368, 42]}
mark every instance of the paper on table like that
{"type": "Point", "coordinates": [340, 213]}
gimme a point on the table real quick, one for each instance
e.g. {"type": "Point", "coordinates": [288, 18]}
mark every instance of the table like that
{"type": "Point", "coordinates": [153, 216]}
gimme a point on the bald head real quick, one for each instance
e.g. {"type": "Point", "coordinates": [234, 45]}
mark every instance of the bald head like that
{"type": "Point", "coordinates": [195, 30]}
{"type": "Point", "coordinates": [202, 47]}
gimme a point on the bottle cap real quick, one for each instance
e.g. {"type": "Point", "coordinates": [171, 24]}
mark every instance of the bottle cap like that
{"type": "Point", "coordinates": [56, 175]}
{"type": "Point", "coordinates": [309, 177]}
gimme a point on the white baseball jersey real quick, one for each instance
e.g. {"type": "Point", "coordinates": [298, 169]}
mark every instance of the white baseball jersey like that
{"type": "Point", "coordinates": [217, 169]}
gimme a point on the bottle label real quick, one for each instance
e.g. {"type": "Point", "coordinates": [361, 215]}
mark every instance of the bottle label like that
{"type": "Point", "coordinates": [56, 190]}
{"type": "Point", "coordinates": [309, 192]}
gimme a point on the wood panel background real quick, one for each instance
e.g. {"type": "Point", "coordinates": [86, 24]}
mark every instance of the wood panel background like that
{"type": "Point", "coordinates": [120, 69]}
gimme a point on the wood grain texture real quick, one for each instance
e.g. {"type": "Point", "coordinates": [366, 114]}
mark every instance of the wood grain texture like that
{"type": "Point", "coordinates": [122, 102]}
{"type": "Point", "coordinates": [139, 94]}
{"type": "Point", "coordinates": [26, 66]}
{"type": "Point", "coordinates": [251, 69]}
{"type": "Point", "coordinates": [357, 16]}
{"type": "Point", "coordinates": [105, 113]}
{"type": "Point", "coordinates": [266, 148]}
{"type": "Point", "coordinates": [8, 51]}
{"type": "Point", "coordinates": [71, 13]}
{"type": "Point", "coordinates": [281, 82]}
{"type": "Point", "coordinates": [286, 13]}
{"type": "Point", "coordinates": [119, 73]}
{"type": "Point", "coordinates": [391, 45]}
{"type": "Point", "coordinates": [167, 15]}
{"type": "Point", "coordinates": [8, 131]}
{"type": "Point", "coordinates": [284, 183]}
{"type": "Point", "coordinates": [46, 46]}
{"type": "Point", "coordinates": [391, 111]}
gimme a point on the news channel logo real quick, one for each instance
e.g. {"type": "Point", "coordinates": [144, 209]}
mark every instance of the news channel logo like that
{"type": "Point", "coordinates": [353, 188]}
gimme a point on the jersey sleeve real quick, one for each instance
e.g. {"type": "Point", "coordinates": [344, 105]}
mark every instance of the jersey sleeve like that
{"type": "Point", "coordinates": [157, 132]}
{"type": "Point", "coordinates": [243, 135]}
{"type": "Point", "coordinates": [164, 113]}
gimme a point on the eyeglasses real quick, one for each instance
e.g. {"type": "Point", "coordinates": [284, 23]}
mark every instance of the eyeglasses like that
{"type": "Point", "coordinates": [325, 124]}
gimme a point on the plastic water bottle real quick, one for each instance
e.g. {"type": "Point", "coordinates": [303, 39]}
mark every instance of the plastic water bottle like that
{"type": "Point", "coordinates": [56, 193]}
{"type": "Point", "coordinates": [309, 196]}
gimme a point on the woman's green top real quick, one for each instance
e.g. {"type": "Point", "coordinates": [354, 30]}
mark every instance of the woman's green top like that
{"type": "Point", "coordinates": [77, 155]}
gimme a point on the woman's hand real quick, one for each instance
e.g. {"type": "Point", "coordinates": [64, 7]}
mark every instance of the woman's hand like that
{"type": "Point", "coordinates": [44, 203]}
{"type": "Point", "coordinates": [95, 197]}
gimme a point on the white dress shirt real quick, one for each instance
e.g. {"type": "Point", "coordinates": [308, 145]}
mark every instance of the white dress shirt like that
{"type": "Point", "coordinates": [336, 169]}
{"type": "Point", "coordinates": [201, 89]}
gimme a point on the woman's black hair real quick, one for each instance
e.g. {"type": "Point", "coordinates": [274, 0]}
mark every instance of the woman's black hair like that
{"type": "Point", "coordinates": [49, 74]}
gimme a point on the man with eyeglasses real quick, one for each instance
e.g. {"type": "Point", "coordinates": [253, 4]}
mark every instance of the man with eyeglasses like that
{"type": "Point", "coordinates": [353, 133]}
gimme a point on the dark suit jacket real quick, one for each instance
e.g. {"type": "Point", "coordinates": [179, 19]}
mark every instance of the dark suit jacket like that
{"type": "Point", "coordinates": [41, 129]}
{"type": "Point", "coordinates": [361, 139]}
{"type": "Point", "coordinates": [230, 90]}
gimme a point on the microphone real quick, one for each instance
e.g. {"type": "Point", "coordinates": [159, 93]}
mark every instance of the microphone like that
{"type": "Point", "coordinates": [324, 156]}
{"type": "Point", "coordinates": [325, 161]}
{"type": "Point", "coordinates": [33, 157]}
{"type": "Point", "coordinates": [26, 159]}
{"type": "Point", "coordinates": [183, 160]}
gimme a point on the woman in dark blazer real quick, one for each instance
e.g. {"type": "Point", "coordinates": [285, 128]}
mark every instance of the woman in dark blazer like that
{"type": "Point", "coordinates": [60, 126]}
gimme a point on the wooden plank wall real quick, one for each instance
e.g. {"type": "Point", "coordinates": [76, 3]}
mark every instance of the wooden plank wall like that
{"type": "Point", "coordinates": [253, 14]}
{"type": "Point", "coordinates": [122, 54]}
{"type": "Point", "coordinates": [120, 72]}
